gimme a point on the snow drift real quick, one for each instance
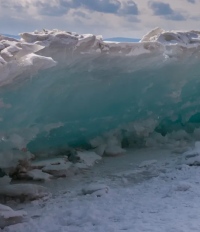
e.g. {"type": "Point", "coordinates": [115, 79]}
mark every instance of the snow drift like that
{"type": "Point", "coordinates": [60, 89]}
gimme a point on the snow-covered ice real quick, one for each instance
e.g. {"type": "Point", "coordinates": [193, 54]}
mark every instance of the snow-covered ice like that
{"type": "Point", "coordinates": [113, 127]}
{"type": "Point", "coordinates": [58, 170]}
{"type": "Point", "coordinates": [23, 191]}
{"type": "Point", "coordinates": [168, 201]}
{"type": "Point", "coordinates": [88, 158]}
{"type": "Point", "coordinates": [38, 175]}
{"type": "Point", "coordinates": [61, 89]}
{"type": "Point", "coordinates": [9, 216]}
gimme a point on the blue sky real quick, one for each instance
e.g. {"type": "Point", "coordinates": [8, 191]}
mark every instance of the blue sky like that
{"type": "Point", "coordinates": [109, 18]}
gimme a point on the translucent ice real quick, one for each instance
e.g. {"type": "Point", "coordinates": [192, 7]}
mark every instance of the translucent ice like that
{"type": "Point", "coordinates": [60, 89]}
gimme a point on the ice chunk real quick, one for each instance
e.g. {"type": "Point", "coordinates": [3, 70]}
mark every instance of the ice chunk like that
{"type": "Point", "coordinates": [113, 145]}
{"type": "Point", "coordinates": [88, 157]}
{"type": "Point", "coordinates": [38, 175]}
{"type": "Point", "coordinates": [100, 150]}
{"type": "Point", "coordinates": [95, 189]}
{"type": "Point", "coordinates": [23, 191]}
{"type": "Point", "coordinates": [192, 160]}
{"type": "Point", "coordinates": [80, 168]}
{"type": "Point", "coordinates": [9, 217]}
{"type": "Point", "coordinates": [114, 150]}
{"type": "Point", "coordinates": [192, 157]}
{"type": "Point", "coordinates": [59, 170]}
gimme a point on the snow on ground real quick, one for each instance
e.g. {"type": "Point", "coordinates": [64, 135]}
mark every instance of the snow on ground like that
{"type": "Point", "coordinates": [161, 196]}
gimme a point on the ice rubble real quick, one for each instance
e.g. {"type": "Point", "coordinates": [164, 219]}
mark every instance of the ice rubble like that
{"type": "Point", "coordinates": [60, 89]}
{"type": "Point", "coordinates": [95, 189]}
{"type": "Point", "coordinates": [8, 216]}
{"type": "Point", "coordinates": [23, 192]}
{"type": "Point", "coordinates": [18, 58]}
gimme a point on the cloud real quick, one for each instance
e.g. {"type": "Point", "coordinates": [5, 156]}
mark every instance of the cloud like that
{"type": "Point", "coordinates": [164, 10]}
{"type": "Point", "coordinates": [104, 6]}
{"type": "Point", "coordinates": [17, 6]}
{"type": "Point", "coordinates": [132, 19]}
{"type": "Point", "coordinates": [81, 14]}
{"type": "Point", "coordinates": [129, 8]}
{"type": "Point", "coordinates": [160, 8]}
{"type": "Point", "coordinates": [61, 7]}
{"type": "Point", "coordinates": [107, 17]}
{"type": "Point", "coordinates": [50, 10]}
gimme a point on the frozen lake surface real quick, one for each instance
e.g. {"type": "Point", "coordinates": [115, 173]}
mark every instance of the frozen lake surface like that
{"type": "Point", "coordinates": [158, 194]}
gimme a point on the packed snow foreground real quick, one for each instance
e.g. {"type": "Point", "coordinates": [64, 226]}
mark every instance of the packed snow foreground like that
{"type": "Point", "coordinates": [67, 101]}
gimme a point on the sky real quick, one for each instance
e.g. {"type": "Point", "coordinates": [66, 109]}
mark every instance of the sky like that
{"type": "Point", "coordinates": [110, 18]}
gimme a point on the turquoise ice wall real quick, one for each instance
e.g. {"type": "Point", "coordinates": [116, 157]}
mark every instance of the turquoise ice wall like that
{"type": "Point", "coordinates": [92, 96]}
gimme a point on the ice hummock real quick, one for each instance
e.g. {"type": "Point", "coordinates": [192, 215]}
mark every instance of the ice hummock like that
{"type": "Point", "coordinates": [60, 90]}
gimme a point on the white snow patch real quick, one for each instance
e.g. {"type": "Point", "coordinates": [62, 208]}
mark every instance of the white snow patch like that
{"type": "Point", "coordinates": [88, 157]}
{"type": "Point", "coordinates": [38, 175]}
{"type": "Point", "coordinates": [167, 202]}
{"type": "Point", "coordinates": [96, 189]}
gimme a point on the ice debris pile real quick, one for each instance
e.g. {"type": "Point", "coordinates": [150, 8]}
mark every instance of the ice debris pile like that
{"type": "Point", "coordinates": [61, 90]}
{"type": "Point", "coordinates": [29, 171]}
{"type": "Point", "coordinates": [18, 57]}
{"type": "Point", "coordinates": [8, 216]}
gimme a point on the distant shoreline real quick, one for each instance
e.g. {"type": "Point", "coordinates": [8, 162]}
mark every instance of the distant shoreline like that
{"type": "Point", "coordinates": [12, 36]}
{"type": "Point", "coordinates": [114, 39]}
{"type": "Point", "coordinates": [122, 39]}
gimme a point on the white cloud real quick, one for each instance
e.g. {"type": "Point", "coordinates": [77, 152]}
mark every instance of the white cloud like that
{"type": "Point", "coordinates": [108, 17]}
